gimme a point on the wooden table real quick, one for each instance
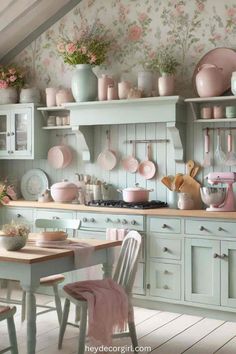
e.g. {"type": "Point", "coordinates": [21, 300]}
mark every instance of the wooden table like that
{"type": "Point", "coordinates": [31, 263]}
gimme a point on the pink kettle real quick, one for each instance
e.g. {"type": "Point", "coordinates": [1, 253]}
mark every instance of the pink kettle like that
{"type": "Point", "coordinates": [209, 81]}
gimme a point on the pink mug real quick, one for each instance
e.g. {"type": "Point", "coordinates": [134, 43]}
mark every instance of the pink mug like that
{"type": "Point", "coordinates": [51, 96]}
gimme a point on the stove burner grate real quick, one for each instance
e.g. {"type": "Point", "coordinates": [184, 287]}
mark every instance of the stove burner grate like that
{"type": "Point", "coordinates": [153, 204]}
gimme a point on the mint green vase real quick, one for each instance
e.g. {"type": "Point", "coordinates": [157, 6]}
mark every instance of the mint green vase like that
{"type": "Point", "coordinates": [84, 83]}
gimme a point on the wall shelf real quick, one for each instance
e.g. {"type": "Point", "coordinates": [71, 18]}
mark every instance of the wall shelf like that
{"type": "Point", "coordinates": [57, 127]}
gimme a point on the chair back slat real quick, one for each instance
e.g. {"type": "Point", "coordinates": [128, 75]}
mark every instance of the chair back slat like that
{"type": "Point", "coordinates": [59, 224]}
{"type": "Point", "coordinates": [127, 262]}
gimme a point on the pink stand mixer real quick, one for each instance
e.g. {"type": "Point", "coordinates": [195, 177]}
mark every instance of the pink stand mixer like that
{"type": "Point", "coordinates": [219, 198]}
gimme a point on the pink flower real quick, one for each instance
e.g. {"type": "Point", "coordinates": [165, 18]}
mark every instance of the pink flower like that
{"type": "Point", "coordinates": [200, 6]}
{"type": "Point", "coordinates": [70, 48]}
{"type": "Point", "coordinates": [12, 78]}
{"type": "Point", "coordinates": [231, 11]}
{"type": "Point", "coordinates": [83, 50]}
{"type": "Point", "coordinates": [12, 71]}
{"type": "Point", "coordinates": [134, 33]}
{"type": "Point", "coordinates": [11, 193]}
{"type": "Point", "coordinates": [93, 58]}
{"type": "Point", "coordinates": [61, 47]}
{"type": "Point", "coordinates": [179, 9]}
{"type": "Point", "coordinates": [5, 200]}
{"type": "Point", "coordinates": [143, 16]}
{"type": "Point", "coordinates": [3, 84]}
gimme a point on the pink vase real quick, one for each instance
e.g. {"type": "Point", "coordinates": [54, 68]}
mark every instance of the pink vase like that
{"type": "Point", "coordinates": [103, 83]}
{"type": "Point", "coordinates": [166, 85]}
{"type": "Point", "coordinates": [209, 81]}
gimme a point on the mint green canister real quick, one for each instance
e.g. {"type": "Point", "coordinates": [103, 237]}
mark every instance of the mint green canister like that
{"type": "Point", "coordinates": [230, 111]}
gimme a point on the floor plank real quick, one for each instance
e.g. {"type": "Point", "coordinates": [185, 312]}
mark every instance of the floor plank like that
{"type": "Point", "coordinates": [228, 348]}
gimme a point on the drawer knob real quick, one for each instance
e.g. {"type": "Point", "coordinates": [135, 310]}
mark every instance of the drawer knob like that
{"type": "Point", "coordinates": [215, 255]}
{"type": "Point", "coordinates": [202, 228]}
{"type": "Point", "coordinates": [12, 133]}
{"type": "Point", "coordinates": [165, 249]}
{"type": "Point", "coordinates": [124, 221]}
{"type": "Point", "coordinates": [85, 219]}
{"type": "Point", "coordinates": [107, 220]}
{"type": "Point", "coordinates": [220, 228]}
{"type": "Point", "coordinates": [55, 217]}
{"type": "Point", "coordinates": [164, 226]}
{"type": "Point", "coordinates": [133, 222]}
{"type": "Point", "coordinates": [117, 221]}
{"type": "Point", "coordinates": [8, 134]}
{"type": "Point", "coordinates": [166, 271]}
{"type": "Point", "coordinates": [224, 255]}
{"type": "Point", "coordinates": [165, 287]}
{"type": "Point", "coordinates": [18, 215]}
{"type": "Point", "coordinates": [92, 220]}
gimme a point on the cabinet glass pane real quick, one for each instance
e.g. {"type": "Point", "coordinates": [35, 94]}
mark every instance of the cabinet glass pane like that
{"type": "Point", "coordinates": [232, 273]}
{"type": "Point", "coordinates": [21, 131]}
{"type": "Point", "coordinates": [3, 132]}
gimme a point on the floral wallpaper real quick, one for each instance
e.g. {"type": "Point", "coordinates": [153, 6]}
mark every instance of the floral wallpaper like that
{"type": "Point", "coordinates": [138, 28]}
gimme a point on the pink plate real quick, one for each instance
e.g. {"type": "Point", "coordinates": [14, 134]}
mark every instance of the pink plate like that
{"type": "Point", "coordinates": [224, 58]}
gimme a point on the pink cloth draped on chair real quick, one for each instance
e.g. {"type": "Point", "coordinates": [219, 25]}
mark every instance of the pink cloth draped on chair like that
{"type": "Point", "coordinates": [108, 307]}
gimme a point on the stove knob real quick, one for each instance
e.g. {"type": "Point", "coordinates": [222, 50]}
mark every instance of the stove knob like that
{"type": "Point", "coordinates": [92, 220]}
{"type": "Point", "coordinates": [133, 222]}
{"type": "Point", "coordinates": [107, 220]}
{"type": "Point", "coordinates": [85, 219]}
{"type": "Point", "coordinates": [124, 221]}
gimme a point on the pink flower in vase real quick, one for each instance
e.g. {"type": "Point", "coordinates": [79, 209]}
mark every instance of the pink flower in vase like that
{"type": "Point", "coordinates": [12, 78]}
{"type": "Point", "coordinates": [71, 48]}
{"type": "Point", "coordinates": [231, 12]}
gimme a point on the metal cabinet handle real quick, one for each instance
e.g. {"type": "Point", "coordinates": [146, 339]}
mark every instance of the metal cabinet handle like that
{"type": "Point", "coordinates": [165, 249]}
{"type": "Point", "coordinates": [8, 134]}
{"type": "Point", "coordinates": [107, 220]}
{"type": "Point", "coordinates": [202, 228]}
{"type": "Point", "coordinates": [220, 228]}
{"type": "Point", "coordinates": [124, 221]}
{"type": "Point", "coordinates": [164, 226]}
{"type": "Point", "coordinates": [215, 255]}
{"type": "Point", "coordinates": [85, 219]}
{"type": "Point", "coordinates": [224, 256]}
{"type": "Point", "coordinates": [92, 220]}
{"type": "Point", "coordinates": [133, 222]}
{"type": "Point", "coordinates": [165, 287]}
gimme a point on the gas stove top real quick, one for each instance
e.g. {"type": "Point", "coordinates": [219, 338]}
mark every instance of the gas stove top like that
{"type": "Point", "coordinates": [153, 204]}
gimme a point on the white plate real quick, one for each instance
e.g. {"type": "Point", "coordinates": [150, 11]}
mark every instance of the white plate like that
{"type": "Point", "coordinates": [33, 183]}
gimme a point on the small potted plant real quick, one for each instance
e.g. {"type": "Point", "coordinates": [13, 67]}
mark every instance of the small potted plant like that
{"type": "Point", "coordinates": [166, 64]}
{"type": "Point", "coordinates": [14, 236]}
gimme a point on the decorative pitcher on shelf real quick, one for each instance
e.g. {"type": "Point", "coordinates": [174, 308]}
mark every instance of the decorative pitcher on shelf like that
{"type": "Point", "coordinates": [209, 81]}
{"type": "Point", "coordinates": [84, 83]}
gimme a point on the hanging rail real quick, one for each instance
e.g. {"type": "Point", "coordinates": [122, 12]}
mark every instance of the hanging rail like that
{"type": "Point", "coordinates": [146, 141]}
{"type": "Point", "coordinates": [219, 128]}
{"type": "Point", "coordinates": [64, 135]}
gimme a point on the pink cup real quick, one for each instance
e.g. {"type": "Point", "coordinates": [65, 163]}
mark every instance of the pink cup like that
{"type": "Point", "coordinates": [51, 96]}
{"type": "Point", "coordinates": [218, 112]}
{"type": "Point", "coordinates": [206, 112]}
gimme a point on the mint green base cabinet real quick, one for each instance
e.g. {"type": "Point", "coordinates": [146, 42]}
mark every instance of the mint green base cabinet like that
{"type": "Point", "coordinates": [165, 280]}
{"type": "Point", "coordinates": [228, 273]}
{"type": "Point", "coordinates": [202, 271]}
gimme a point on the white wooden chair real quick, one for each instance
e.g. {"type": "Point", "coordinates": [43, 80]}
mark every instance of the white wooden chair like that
{"type": "Point", "coordinates": [124, 275]}
{"type": "Point", "coordinates": [7, 313]}
{"type": "Point", "coordinates": [53, 280]}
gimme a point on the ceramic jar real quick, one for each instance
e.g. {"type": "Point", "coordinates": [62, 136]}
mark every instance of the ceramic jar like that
{"type": "Point", "coordinates": [218, 112]}
{"type": "Point", "coordinates": [123, 89]}
{"type": "Point", "coordinates": [206, 112]}
{"type": "Point", "coordinates": [8, 95]}
{"type": "Point", "coordinates": [63, 96]}
{"type": "Point", "coordinates": [145, 82]}
{"type": "Point", "coordinates": [30, 95]}
{"type": "Point", "coordinates": [112, 93]}
{"type": "Point", "coordinates": [185, 201]}
{"type": "Point", "coordinates": [166, 85]}
{"type": "Point", "coordinates": [84, 83]}
{"type": "Point", "coordinates": [209, 81]}
{"type": "Point", "coordinates": [103, 82]}
{"type": "Point", "coordinates": [51, 96]}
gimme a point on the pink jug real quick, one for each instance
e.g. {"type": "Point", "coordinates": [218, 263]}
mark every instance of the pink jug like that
{"type": "Point", "coordinates": [209, 81]}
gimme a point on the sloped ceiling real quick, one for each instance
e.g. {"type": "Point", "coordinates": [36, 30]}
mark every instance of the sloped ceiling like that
{"type": "Point", "coordinates": [21, 21]}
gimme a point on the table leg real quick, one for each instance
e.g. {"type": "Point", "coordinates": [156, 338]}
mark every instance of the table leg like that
{"type": "Point", "coordinates": [107, 266]}
{"type": "Point", "coordinates": [31, 320]}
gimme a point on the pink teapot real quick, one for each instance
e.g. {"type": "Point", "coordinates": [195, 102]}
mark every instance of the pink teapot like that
{"type": "Point", "coordinates": [209, 81]}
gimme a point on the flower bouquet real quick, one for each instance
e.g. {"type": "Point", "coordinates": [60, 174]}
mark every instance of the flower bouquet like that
{"type": "Point", "coordinates": [14, 236]}
{"type": "Point", "coordinates": [10, 76]}
{"type": "Point", "coordinates": [7, 193]}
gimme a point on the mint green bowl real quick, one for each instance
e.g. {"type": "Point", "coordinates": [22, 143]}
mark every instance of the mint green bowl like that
{"type": "Point", "coordinates": [12, 243]}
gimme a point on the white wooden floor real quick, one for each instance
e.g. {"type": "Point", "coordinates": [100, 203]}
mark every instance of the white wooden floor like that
{"type": "Point", "coordinates": [164, 332]}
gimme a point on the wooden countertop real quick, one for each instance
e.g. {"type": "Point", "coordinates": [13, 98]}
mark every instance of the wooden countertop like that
{"type": "Point", "coordinates": [151, 212]}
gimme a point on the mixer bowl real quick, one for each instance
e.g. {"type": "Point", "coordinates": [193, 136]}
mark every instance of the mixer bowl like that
{"type": "Point", "coordinates": [213, 196]}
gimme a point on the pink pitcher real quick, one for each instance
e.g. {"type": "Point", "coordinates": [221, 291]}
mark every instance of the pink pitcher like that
{"type": "Point", "coordinates": [209, 81]}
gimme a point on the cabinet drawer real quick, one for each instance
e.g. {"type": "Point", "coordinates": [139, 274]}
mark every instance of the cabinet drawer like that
{"type": "Point", "coordinates": [19, 215]}
{"type": "Point", "coordinates": [210, 228]}
{"type": "Point", "coordinates": [165, 248]}
{"type": "Point", "coordinates": [103, 221]}
{"type": "Point", "coordinates": [161, 225]}
{"type": "Point", "coordinates": [165, 280]}
{"type": "Point", "coordinates": [54, 214]}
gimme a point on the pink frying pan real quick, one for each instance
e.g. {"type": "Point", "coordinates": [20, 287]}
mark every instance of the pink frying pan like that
{"type": "Point", "coordinates": [130, 163]}
{"type": "Point", "coordinates": [147, 168]}
{"type": "Point", "coordinates": [107, 159]}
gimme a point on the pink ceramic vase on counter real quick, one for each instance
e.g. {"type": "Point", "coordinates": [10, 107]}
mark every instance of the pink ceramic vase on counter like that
{"type": "Point", "coordinates": [209, 81]}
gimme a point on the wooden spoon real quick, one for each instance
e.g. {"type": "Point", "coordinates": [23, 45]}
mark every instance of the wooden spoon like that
{"type": "Point", "coordinates": [178, 182]}
{"type": "Point", "coordinates": [167, 182]}
{"type": "Point", "coordinates": [195, 171]}
{"type": "Point", "coordinates": [190, 166]}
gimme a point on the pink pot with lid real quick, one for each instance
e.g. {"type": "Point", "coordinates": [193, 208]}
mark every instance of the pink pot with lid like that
{"type": "Point", "coordinates": [135, 194]}
{"type": "Point", "coordinates": [64, 192]}
{"type": "Point", "coordinates": [209, 80]}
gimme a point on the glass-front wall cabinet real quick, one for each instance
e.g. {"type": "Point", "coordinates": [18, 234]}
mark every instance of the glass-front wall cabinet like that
{"type": "Point", "coordinates": [16, 132]}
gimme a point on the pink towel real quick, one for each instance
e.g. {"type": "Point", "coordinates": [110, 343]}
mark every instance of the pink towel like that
{"type": "Point", "coordinates": [108, 306]}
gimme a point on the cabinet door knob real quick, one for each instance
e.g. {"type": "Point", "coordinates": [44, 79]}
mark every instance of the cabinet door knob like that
{"type": "Point", "coordinates": [166, 271]}
{"type": "Point", "coordinates": [165, 287]}
{"type": "Point", "coordinates": [164, 226]}
{"type": "Point", "coordinates": [8, 134]}
{"type": "Point", "coordinates": [215, 255]}
{"type": "Point", "coordinates": [133, 222]}
{"type": "Point", "coordinates": [9, 152]}
{"type": "Point", "coordinates": [18, 215]}
{"type": "Point", "coordinates": [85, 219]}
{"type": "Point", "coordinates": [165, 249]}
{"type": "Point", "coordinates": [92, 220]}
{"type": "Point", "coordinates": [124, 221]}
{"type": "Point", "coordinates": [12, 133]}
{"type": "Point", "coordinates": [202, 228]}
{"type": "Point", "coordinates": [107, 220]}
{"type": "Point", "coordinates": [220, 228]}
{"type": "Point", "coordinates": [224, 255]}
